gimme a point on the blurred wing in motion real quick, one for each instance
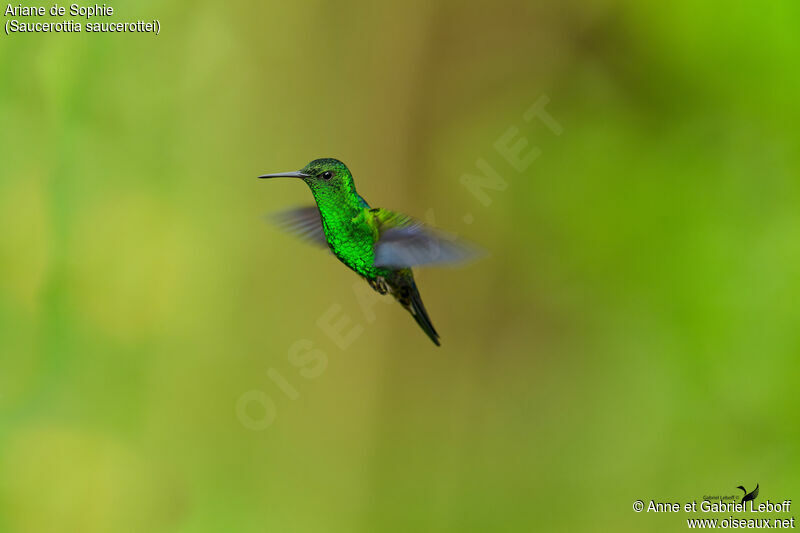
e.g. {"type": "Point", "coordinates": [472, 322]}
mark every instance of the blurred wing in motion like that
{"type": "Point", "coordinates": [302, 222]}
{"type": "Point", "coordinates": [405, 242]}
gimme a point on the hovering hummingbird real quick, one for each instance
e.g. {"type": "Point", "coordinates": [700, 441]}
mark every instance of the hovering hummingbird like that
{"type": "Point", "coordinates": [379, 245]}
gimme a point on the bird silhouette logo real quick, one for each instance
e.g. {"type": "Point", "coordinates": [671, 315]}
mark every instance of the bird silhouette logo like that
{"type": "Point", "coordinates": [748, 496]}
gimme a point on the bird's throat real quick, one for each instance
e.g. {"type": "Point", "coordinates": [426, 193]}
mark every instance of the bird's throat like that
{"type": "Point", "coordinates": [337, 208]}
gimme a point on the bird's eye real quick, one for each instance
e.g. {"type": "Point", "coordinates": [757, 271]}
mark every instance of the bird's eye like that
{"type": "Point", "coordinates": [327, 175]}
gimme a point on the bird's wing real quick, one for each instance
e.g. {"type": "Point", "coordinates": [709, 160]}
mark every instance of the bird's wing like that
{"type": "Point", "coordinates": [302, 222]}
{"type": "Point", "coordinates": [755, 492]}
{"type": "Point", "coordinates": [405, 242]}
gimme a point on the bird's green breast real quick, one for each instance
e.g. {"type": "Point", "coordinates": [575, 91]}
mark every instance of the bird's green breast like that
{"type": "Point", "coordinates": [350, 231]}
{"type": "Point", "coordinates": [353, 244]}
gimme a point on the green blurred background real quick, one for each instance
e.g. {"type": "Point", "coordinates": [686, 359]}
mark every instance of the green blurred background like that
{"type": "Point", "coordinates": [632, 335]}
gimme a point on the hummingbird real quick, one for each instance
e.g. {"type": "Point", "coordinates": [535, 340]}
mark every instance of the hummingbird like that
{"type": "Point", "coordinates": [380, 245]}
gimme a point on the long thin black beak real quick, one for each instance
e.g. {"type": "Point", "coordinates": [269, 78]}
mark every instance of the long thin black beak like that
{"type": "Point", "coordinates": [286, 175]}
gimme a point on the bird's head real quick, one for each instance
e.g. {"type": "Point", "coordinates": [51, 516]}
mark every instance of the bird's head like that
{"type": "Point", "coordinates": [321, 175]}
{"type": "Point", "coordinates": [742, 488]}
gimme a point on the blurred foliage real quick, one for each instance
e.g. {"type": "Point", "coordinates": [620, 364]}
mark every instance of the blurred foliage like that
{"type": "Point", "coordinates": [633, 333]}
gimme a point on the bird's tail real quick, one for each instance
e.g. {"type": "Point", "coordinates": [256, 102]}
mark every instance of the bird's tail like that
{"type": "Point", "coordinates": [406, 292]}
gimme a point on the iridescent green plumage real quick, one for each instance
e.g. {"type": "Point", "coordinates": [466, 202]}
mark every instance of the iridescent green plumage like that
{"type": "Point", "coordinates": [378, 244]}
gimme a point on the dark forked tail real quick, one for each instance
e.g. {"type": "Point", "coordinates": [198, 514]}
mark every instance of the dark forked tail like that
{"type": "Point", "coordinates": [405, 291]}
